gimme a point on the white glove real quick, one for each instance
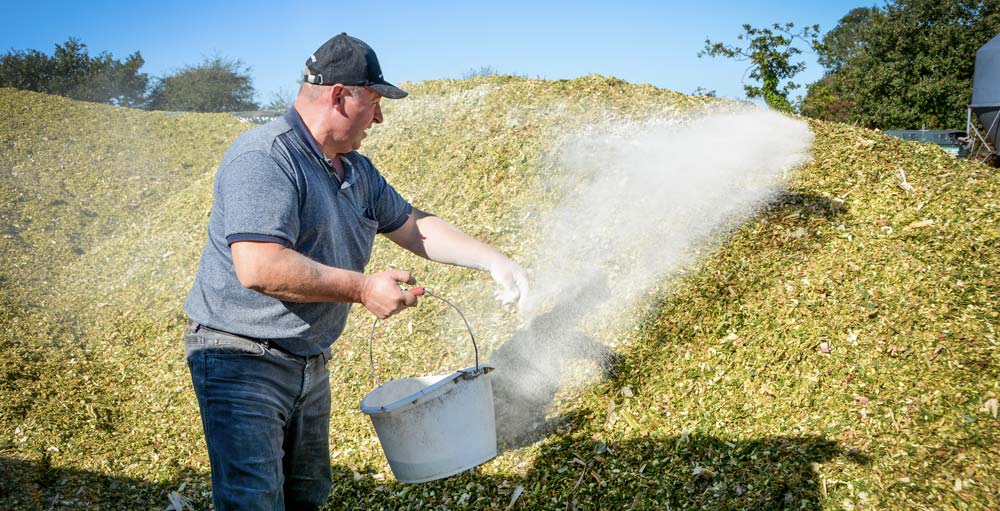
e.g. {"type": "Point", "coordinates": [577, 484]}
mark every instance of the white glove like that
{"type": "Point", "coordinates": [512, 281]}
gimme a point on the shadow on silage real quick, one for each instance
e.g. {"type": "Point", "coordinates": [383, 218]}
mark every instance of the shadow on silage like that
{"type": "Point", "coordinates": [32, 485]}
{"type": "Point", "coordinates": [641, 474]}
{"type": "Point", "coordinates": [529, 364]}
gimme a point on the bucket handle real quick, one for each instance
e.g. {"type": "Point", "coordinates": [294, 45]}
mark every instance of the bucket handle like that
{"type": "Point", "coordinates": [418, 291]}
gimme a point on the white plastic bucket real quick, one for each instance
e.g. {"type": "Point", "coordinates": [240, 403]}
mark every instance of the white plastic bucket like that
{"type": "Point", "coordinates": [433, 427]}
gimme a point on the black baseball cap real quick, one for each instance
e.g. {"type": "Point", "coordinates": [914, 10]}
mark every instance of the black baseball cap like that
{"type": "Point", "coordinates": [349, 61]}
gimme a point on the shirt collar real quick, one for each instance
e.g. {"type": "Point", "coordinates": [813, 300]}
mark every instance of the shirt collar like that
{"type": "Point", "coordinates": [295, 120]}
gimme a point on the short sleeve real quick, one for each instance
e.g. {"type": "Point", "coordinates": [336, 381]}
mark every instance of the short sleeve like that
{"type": "Point", "coordinates": [391, 209]}
{"type": "Point", "coordinates": [260, 201]}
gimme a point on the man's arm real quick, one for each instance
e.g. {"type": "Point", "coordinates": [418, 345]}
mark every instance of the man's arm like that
{"type": "Point", "coordinates": [433, 238]}
{"type": "Point", "coordinates": [285, 274]}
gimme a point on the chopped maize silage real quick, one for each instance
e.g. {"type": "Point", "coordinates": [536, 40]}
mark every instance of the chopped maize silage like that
{"type": "Point", "coordinates": [840, 350]}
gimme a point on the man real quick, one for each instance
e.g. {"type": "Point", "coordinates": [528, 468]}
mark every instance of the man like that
{"type": "Point", "coordinates": [295, 212]}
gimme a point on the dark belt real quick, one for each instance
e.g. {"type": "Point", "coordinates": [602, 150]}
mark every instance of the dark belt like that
{"type": "Point", "coordinates": [194, 327]}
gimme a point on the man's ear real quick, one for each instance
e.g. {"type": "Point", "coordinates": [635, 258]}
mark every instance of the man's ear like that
{"type": "Point", "coordinates": [336, 96]}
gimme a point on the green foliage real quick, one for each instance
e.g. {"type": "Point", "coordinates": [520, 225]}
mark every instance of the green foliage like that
{"type": "Point", "coordinates": [702, 91]}
{"type": "Point", "coordinates": [905, 65]}
{"type": "Point", "coordinates": [845, 40]}
{"type": "Point", "coordinates": [73, 73]}
{"type": "Point", "coordinates": [216, 85]}
{"type": "Point", "coordinates": [770, 52]}
{"type": "Point", "coordinates": [822, 102]}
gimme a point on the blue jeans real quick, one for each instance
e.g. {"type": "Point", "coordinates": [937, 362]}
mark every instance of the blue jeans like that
{"type": "Point", "coordinates": [266, 415]}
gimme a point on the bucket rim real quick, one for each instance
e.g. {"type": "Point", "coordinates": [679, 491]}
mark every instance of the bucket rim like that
{"type": "Point", "coordinates": [432, 391]}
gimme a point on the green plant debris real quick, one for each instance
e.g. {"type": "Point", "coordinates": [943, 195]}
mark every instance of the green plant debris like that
{"type": "Point", "coordinates": [838, 351]}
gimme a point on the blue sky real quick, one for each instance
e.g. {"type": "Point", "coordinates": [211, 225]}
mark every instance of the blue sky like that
{"type": "Point", "coordinates": [641, 42]}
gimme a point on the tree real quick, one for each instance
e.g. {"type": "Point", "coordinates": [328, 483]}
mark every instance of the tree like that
{"type": "Point", "coordinates": [702, 91]}
{"type": "Point", "coordinates": [770, 52]}
{"type": "Point", "coordinates": [215, 85]}
{"type": "Point", "coordinates": [280, 100]}
{"type": "Point", "coordinates": [845, 40]}
{"type": "Point", "coordinates": [72, 72]}
{"type": "Point", "coordinates": [903, 66]}
{"type": "Point", "coordinates": [823, 102]}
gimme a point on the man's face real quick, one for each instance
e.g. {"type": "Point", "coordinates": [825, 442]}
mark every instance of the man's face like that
{"type": "Point", "coordinates": [357, 112]}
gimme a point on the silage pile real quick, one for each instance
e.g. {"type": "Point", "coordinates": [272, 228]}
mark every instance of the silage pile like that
{"type": "Point", "coordinates": [838, 351]}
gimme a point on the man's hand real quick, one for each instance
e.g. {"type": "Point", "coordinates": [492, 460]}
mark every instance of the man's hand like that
{"type": "Point", "coordinates": [513, 282]}
{"type": "Point", "coordinates": [382, 295]}
{"type": "Point", "coordinates": [428, 236]}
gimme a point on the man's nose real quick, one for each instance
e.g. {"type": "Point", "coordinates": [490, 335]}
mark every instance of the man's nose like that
{"type": "Point", "coordinates": [378, 114]}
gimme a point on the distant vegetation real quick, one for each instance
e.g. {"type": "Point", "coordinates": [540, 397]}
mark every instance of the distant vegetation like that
{"type": "Point", "coordinates": [216, 85]}
{"type": "Point", "coordinates": [770, 52]}
{"type": "Point", "coordinates": [70, 71]}
{"type": "Point", "coordinates": [481, 71]}
{"type": "Point", "coordinates": [280, 100]}
{"type": "Point", "coordinates": [904, 65]}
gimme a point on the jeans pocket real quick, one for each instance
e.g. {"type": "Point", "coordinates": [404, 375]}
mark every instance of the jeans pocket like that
{"type": "Point", "coordinates": [192, 343]}
{"type": "Point", "coordinates": [232, 346]}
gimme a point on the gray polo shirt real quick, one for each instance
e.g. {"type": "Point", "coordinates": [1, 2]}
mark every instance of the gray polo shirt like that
{"type": "Point", "coordinates": [274, 184]}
